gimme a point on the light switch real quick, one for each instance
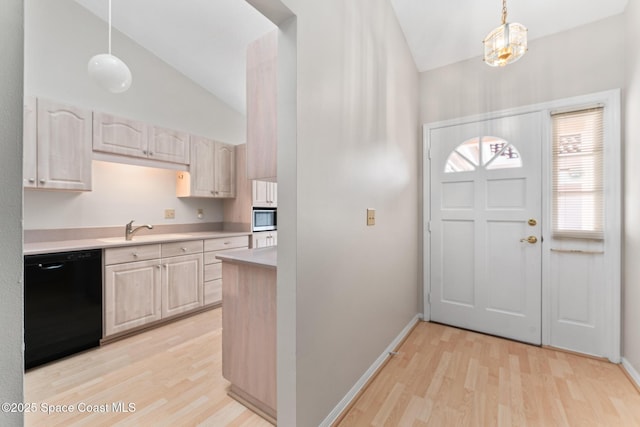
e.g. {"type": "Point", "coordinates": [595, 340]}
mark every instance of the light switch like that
{"type": "Point", "coordinates": [371, 216]}
{"type": "Point", "coordinates": [169, 214]}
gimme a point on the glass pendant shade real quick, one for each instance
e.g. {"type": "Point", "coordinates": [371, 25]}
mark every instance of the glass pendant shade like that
{"type": "Point", "coordinates": [109, 72]}
{"type": "Point", "coordinates": [505, 44]}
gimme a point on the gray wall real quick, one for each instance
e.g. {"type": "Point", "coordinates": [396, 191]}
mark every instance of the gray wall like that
{"type": "Point", "coordinates": [583, 60]}
{"type": "Point", "coordinates": [11, 355]}
{"type": "Point", "coordinates": [355, 287]}
{"type": "Point", "coordinates": [631, 294]}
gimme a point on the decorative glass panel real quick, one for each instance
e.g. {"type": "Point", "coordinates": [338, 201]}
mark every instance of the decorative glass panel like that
{"type": "Point", "coordinates": [490, 151]}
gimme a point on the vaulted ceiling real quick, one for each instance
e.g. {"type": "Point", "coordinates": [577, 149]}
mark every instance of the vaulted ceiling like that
{"type": "Point", "coordinates": [206, 39]}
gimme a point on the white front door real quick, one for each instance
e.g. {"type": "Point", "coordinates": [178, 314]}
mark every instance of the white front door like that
{"type": "Point", "coordinates": [485, 221]}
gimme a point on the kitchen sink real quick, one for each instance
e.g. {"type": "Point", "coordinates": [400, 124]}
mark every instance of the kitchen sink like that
{"type": "Point", "coordinates": [147, 238]}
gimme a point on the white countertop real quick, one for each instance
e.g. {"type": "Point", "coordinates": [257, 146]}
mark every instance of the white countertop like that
{"type": "Point", "coordinates": [110, 242]}
{"type": "Point", "coordinates": [261, 257]}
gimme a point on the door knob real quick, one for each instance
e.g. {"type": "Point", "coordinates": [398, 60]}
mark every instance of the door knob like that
{"type": "Point", "coordinates": [530, 239]}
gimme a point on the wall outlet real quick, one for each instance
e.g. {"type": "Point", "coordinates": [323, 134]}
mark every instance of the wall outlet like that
{"type": "Point", "coordinates": [371, 216]}
{"type": "Point", "coordinates": [200, 213]}
{"type": "Point", "coordinates": [169, 214]}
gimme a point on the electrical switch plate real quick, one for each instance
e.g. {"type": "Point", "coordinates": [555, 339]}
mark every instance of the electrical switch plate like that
{"type": "Point", "coordinates": [371, 216]}
{"type": "Point", "coordinates": [169, 214]}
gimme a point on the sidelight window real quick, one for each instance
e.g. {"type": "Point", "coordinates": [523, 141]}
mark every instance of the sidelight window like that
{"type": "Point", "coordinates": [578, 204]}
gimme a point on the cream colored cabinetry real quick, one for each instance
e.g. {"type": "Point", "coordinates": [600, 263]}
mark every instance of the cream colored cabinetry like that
{"type": "Point", "coordinates": [117, 135]}
{"type": "Point", "coordinates": [147, 283]}
{"type": "Point", "coordinates": [182, 284]}
{"type": "Point", "coordinates": [213, 266]}
{"type": "Point", "coordinates": [132, 287]}
{"type": "Point", "coordinates": [265, 194]}
{"type": "Point", "coordinates": [262, 137]}
{"type": "Point", "coordinates": [211, 172]}
{"type": "Point", "coordinates": [263, 239]}
{"type": "Point", "coordinates": [169, 145]}
{"type": "Point", "coordinates": [57, 141]}
{"type": "Point", "coordinates": [132, 138]}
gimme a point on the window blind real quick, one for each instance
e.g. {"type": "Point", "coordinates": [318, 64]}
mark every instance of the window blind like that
{"type": "Point", "coordinates": [578, 200]}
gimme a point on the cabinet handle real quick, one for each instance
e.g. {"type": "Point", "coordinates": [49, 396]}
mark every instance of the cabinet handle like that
{"type": "Point", "coordinates": [158, 266]}
{"type": "Point", "coordinates": [134, 254]}
{"type": "Point", "coordinates": [226, 243]}
{"type": "Point", "coordinates": [184, 249]}
{"type": "Point", "coordinates": [144, 152]}
{"type": "Point", "coordinates": [151, 153]}
{"type": "Point", "coordinates": [42, 181]}
{"type": "Point", "coordinates": [32, 180]}
{"type": "Point", "coordinates": [166, 266]}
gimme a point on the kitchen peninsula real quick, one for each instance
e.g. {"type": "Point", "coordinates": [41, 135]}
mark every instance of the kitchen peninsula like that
{"type": "Point", "coordinates": [249, 327]}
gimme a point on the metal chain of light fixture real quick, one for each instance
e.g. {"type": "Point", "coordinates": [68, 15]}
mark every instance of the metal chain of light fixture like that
{"type": "Point", "coordinates": [504, 12]}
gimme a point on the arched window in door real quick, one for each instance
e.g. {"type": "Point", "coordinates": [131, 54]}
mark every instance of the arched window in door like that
{"type": "Point", "coordinates": [488, 152]}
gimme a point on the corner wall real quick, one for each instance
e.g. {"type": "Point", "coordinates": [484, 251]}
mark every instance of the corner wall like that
{"type": "Point", "coordinates": [631, 249]}
{"type": "Point", "coordinates": [11, 300]}
{"type": "Point", "coordinates": [355, 287]}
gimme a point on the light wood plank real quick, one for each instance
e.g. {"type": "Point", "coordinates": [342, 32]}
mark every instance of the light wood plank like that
{"type": "Point", "coordinates": [446, 376]}
{"type": "Point", "coordinates": [172, 374]}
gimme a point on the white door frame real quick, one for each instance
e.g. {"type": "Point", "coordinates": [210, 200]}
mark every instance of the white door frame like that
{"type": "Point", "coordinates": [613, 204]}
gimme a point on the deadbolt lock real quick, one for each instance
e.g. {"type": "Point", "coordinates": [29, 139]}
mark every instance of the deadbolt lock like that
{"type": "Point", "coordinates": [530, 239]}
{"type": "Point", "coordinates": [532, 222]}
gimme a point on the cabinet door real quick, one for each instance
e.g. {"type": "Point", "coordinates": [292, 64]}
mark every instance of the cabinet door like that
{"type": "Point", "coordinates": [169, 145]}
{"type": "Point", "coordinates": [201, 168]}
{"type": "Point", "coordinates": [112, 134]}
{"type": "Point", "coordinates": [30, 143]}
{"type": "Point", "coordinates": [262, 138]}
{"type": "Point", "coordinates": [182, 284]}
{"type": "Point", "coordinates": [225, 170]}
{"type": "Point", "coordinates": [264, 239]}
{"type": "Point", "coordinates": [64, 146]}
{"type": "Point", "coordinates": [132, 295]}
{"type": "Point", "coordinates": [265, 194]}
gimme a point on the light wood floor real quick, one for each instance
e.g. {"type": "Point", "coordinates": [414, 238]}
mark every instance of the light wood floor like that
{"type": "Point", "coordinates": [444, 376]}
{"type": "Point", "coordinates": [171, 374]}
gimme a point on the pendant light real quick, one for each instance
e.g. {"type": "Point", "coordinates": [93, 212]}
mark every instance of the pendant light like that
{"type": "Point", "coordinates": [108, 70]}
{"type": "Point", "coordinates": [506, 43]}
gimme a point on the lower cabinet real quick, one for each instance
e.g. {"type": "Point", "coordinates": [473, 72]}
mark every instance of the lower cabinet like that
{"type": "Point", "coordinates": [162, 284]}
{"type": "Point", "coordinates": [132, 295]}
{"type": "Point", "coordinates": [263, 239]}
{"type": "Point", "coordinates": [213, 266]}
{"type": "Point", "coordinates": [181, 284]}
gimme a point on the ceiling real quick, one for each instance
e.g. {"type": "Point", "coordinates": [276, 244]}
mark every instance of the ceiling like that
{"type": "Point", "coordinates": [206, 39]}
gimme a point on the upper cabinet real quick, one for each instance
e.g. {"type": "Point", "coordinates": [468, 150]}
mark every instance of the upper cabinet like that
{"type": "Point", "coordinates": [57, 146]}
{"type": "Point", "coordinates": [117, 135]}
{"type": "Point", "coordinates": [265, 194]}
{"type": "Point", "coordinates": [169, 145]}
{"type": "Point", "coordinates": [262, 135]}
{"type": "Point", "coordinates": [211, 172]}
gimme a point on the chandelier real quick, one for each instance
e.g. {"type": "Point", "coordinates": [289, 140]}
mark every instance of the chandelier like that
{"type": "Point", "coordinates": [506, 43]}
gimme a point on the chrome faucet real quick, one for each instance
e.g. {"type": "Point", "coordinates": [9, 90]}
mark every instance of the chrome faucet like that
{"type": "Point", "coordinates": [129, 231]}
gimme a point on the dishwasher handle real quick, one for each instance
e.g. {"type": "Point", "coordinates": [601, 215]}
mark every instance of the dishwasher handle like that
{"type": "Point", "coordinates": [50, 266]}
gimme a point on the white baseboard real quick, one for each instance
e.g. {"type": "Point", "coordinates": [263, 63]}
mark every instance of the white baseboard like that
{"type": "Point", "coordinates": [346, 400]}
{"type": "Point", "coordinates": [635, 376]}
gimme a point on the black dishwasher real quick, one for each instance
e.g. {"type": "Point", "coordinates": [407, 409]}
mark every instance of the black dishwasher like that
{"type": "Point", "coordinates": [62, 304]}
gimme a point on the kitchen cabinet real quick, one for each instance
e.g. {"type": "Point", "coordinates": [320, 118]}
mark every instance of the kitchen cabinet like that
{"type": "Point", "coordinates": [264, 238]}
{"type": "Point", "coordinates": [213, 266]}
{"type": "Point", "coordinates": [212, 172]}
{"type": "Point", "coordinates": [265, 194]}
{"type": "Point", "coordinates": [182, 277]}
{"type": "Point", "coordinates": [132, 287]}
{"type": "Point", "coordinates": [147, 283]}
{"type": "Point", "coordinates": [262, 131]}
{"type": "Point", "coordinates": [117, 135]}
{"type": "Point", "coordinates": [132, 138]}
{"type": "Point", "coordinates": [57, 146]}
